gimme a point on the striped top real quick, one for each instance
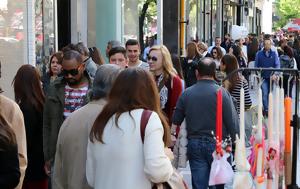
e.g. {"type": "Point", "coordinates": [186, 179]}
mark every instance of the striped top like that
{"type": "Point", "coordinates": [74, 99]}
{"type": "Point", "coordinates": [235, 93]}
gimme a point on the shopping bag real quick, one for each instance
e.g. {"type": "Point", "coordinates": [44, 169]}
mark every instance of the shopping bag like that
{"type": "Point", "coordinates": [221, 171]}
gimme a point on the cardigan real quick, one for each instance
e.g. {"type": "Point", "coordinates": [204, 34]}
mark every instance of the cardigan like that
{"type": "Point", "coordinates": [14, 117]}
{"type": "Point", "coordinates": [72, 139]}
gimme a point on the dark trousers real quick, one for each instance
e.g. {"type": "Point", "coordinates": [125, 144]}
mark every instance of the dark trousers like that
{"type": "Point", "coordinates": [200, 158]}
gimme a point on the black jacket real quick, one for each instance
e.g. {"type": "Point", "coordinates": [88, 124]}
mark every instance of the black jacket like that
{"type": "Point", "coordinates": [9, 166]}
{"type": "Point", "coordinates": [188, 69]}
{"type": "Point", "coordinates": [33, 120]}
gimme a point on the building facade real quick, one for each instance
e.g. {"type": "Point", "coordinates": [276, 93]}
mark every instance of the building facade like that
{"type": "Point", "coordinates": [31, 30]}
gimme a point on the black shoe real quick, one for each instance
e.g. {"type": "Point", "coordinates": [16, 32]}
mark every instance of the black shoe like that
{"type": "Point", "coordinates": [265, 113]}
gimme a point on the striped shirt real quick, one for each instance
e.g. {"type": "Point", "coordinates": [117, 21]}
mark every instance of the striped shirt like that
{"type": "Point", "coordinates": [235, 93]}
{"type": "Point", "coordinates": [74, 99]}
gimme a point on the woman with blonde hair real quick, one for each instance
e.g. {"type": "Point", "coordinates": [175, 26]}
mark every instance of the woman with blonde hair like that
{"type": "Point", "coordinates": [169, 84]}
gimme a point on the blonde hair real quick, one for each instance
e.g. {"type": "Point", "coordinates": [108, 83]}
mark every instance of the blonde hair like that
{"type": "Point", "coordinates": [202, 46]}
{"type": "Point", "coordinates": [168, 69]}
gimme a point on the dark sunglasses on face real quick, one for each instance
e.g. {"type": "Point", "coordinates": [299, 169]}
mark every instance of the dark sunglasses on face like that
{"type": "Point", "coordinates": [73, 72]}
{"type": "Point", "coordinates": [153, 58]}
{"type": "Point", "coordinates": [214, 52]}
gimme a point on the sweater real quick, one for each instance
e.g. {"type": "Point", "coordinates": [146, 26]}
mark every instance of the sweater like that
{"type": "Point", "coordinates": [72, 139]}
{"type": "Point", "coordinates": [123, 161]}
{"type": "Point", "coordinates": [264, 61]}
{"type": "Point", "coordinates": [14, 117]}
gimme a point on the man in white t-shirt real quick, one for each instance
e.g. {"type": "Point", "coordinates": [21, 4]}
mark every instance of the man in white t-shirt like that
{"type": "Point", "coordinates": [133, 52]}
{"type": "Point", "coordinates": [218, 42]}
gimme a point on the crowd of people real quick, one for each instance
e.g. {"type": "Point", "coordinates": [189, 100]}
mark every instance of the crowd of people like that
{"type": "Point", "coordinates": [79, 124]}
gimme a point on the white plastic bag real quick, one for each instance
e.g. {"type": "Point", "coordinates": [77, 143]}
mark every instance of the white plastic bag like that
{"type": "Point", "coordinates": [221, 171]}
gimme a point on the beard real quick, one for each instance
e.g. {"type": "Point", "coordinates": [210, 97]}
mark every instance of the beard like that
{"type": "Point", "coordinates": [72, 82]}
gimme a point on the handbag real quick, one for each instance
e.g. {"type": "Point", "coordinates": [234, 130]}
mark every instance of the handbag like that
{"type": "Point", "coordinates": [176, 180]}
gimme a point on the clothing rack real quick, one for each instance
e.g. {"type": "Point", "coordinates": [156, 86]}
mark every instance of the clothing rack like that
{"type": "Point", "coordinates": [294, 122]}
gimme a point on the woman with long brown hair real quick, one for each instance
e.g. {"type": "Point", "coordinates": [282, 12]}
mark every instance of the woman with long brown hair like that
{"type": "Point", "coordinates": [217, 55]}
{"type": "Point", "coordinates": [54, 70]}
{"type": "Point", "coordinates": [116, 155]}
{"type": "Point", "coordinates": [228, 64]}
{"type": "Point", "coordinates": [30, 97]}
{"type": "Point", "coordinates": [9, 163]}
{"type": "Point", "coordinates": [189, 64]}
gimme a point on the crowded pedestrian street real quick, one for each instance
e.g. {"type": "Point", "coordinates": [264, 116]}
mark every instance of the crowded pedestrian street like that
{"type": "Point", "coordinates": [149, 94]}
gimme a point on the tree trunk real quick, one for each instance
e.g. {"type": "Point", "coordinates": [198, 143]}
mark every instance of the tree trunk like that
{"type": "Point", "coordinates": [141, 25]}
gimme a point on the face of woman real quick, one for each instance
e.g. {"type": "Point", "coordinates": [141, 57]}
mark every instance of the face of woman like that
{"type": "Point", "coordinates": [155, 61]}
{"type": "Point", "coordinates": [214, 53]}
{"type": "Point", "coordinates": [55, 67]}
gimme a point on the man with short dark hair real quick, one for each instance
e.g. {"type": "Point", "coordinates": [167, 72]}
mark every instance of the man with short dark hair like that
{"type": "Point", "coordinates": [217, 44]}
{"type": "Point", "coordinates": [133, 52]}
{"type": "Point", "coordinates": [118, 56]}
{"type": "Point", "coordinates": [69, 170]}
{"type": "Point", "coordinates": [65, 95]}
{"type": "Point", "coordinates": [227, 43]}
{"type": "Point", "coordinates": [266, 58]}
{"type": "Point", "coordinates": [201, 99]}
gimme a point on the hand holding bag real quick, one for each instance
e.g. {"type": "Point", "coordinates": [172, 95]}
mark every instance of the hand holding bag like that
{"type": "Point", "coordinates": [221, 171]}
{"type": "Point", "coordinates": [176, 181]}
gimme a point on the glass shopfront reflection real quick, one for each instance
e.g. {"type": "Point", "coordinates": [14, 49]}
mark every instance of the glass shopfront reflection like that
{"type": "Point", "coordinates": [14, 34]}
{"type": "Point", "coordinates": [12, 40]}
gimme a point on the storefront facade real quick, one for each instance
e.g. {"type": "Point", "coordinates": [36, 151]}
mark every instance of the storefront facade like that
{"type": "Point", "coordinates": [27, 36]}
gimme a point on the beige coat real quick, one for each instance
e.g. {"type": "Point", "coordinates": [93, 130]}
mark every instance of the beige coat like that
{"type": "Point", "coordinates": [13, 115]}
{"type": "Point", "coordinates": [71, 149]}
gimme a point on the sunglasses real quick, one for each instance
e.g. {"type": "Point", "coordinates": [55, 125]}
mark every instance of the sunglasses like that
{"type": "Point", "coordinates": [72, 72]}
{"type": "Point", "coordinates": [153, 58]}
{"type": "Point", "coordinates": [214, 52]}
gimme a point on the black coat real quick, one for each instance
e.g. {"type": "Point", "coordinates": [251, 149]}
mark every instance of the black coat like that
{"type": "Point", "coordinates": [33, 120]}
{"type": "Point", "coordinates": [189, 71]}
{"type": "Point", "coordinates": [9, 166]}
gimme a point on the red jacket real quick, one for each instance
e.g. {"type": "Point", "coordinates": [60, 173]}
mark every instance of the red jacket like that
{"type": "Point", "coordinates": [177, 88]}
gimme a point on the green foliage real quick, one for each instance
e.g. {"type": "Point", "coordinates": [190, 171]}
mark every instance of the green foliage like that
{"type": "Point", "coordinates": [286, 10]}
{"type": "Point", "coordinates": [151, 11]}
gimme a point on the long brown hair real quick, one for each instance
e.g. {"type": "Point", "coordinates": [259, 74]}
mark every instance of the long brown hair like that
{"type": "Point", "coordinates": [192, 50]}
{"type": "Point", "coordinates": [28, 88]}
{"type": "Point", "coordinates": [7, 135]}
{"type": "Point", "coordinates": [219, 52]}
{"type": "Point", "coordinates": [231, 64]}
{"type": "Point", "coordinates": [134, 88]}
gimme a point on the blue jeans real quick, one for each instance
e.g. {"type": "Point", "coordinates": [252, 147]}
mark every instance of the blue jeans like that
{"type": "Point", "coordinates": [265, 87]}
{"type": "Point", "coordinates": [200, 158]}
